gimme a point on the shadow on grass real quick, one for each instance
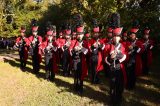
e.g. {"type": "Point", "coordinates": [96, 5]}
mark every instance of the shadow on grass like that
{"type": "Point", "coordinates": [14, 63]}
{"type": "Point", "coordinates": [144, 93]}
{"type": "Point", "coordinates": [5, 51]}
{"type": "Point", "coordinates": [95, 96]}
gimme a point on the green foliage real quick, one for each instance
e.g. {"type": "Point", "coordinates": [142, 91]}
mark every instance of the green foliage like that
{"type": "Point", "coordinates": [57, 11]}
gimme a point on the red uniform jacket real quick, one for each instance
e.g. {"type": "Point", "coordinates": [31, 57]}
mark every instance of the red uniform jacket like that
{"type": "Point", "coordinates": [100, 59]}
{"type": "Point", "coordinates": [107, 48]}
{"type": "Point", "coordinates": [138, 67]}
{"type": "Point", "coordinates": [122, 49]}
{"type": "Point", "coordinates": [75, 43]}
{"type": "Point", "coordinates": [60, 42]}
{"type": "Point", "coordinates": [31, 38]}
{"type": "Point", "coordinates": [124, 43]}
{"type": "Point", "coordinates": [54, 53]}
{"type": "Point", "coordinates": [87, 45]}
{"type": "Point", "coordinates": [18, 40]}
{"type": "Point", "coordinates": [148, 51]}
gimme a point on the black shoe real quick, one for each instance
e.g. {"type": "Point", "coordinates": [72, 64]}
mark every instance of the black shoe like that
{"type": "Point", "coordinates": [76, 88]}
{"type": "Point", "coordinates": [80, 90]}
{"type": "Point", "coordinates": [52, 79]}
{"type": "Point", "coordinates": [22, 69]}
{"type": "Point", "coordinates": [36, 72]}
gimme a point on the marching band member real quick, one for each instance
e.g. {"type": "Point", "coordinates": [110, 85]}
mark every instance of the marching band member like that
{"type": "Point", "coordinates": [22, 43]}
{"type": "Point", "coordinates": [50, 48]}
{"type": "Point", "coordinates": [35, 49]}
{"type": "Point", "coordinates": [147, 54]}
{"type": "Point", "coordinates": [96, 55]}
{"type": "Point", "coordinates": [116, 67]}
{"type": "Point", "coordinates": [107, 41]}
{"type": "Point", "coordinates": [66, 54]}
{"type": "Point", "coordinates": [79, 50]}
{"type": "Point", "coordinates": [134, 62]}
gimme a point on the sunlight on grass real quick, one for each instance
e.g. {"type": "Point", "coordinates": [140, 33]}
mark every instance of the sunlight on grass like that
{"type": "Point", "coordinates": [25, 88]}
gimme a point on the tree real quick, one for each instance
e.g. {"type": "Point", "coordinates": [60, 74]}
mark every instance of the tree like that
{"type": "Point", "coordinates": [57, 11]}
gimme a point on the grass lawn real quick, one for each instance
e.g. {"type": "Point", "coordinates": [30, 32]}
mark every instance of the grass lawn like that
{"type": "Point", "coordinates": [24, 88]}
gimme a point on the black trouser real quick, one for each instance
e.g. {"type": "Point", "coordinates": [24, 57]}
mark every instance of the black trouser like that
{"type": "Point", "coordinates": [65, 62]}
{"type": "Point", "coordinates": [78, 82]}
{"type": "Point", "coordinates": [145, 68]}
{"type": "Point", "coordinates": [22, 59]}
{"type": "Point", "coordinates": [116, 85]}
{"type": "Point", "coordinates": [59, 51]}
{"type": "Point", "coordinates": [35, 63]}
{"type": "Point", "coordinates": [106, 69]}
{"type": "Point", "coordinates": [94, 63]}
{"type": "Point", "coordinates": [50, 75]}
{"type": "Point", "coordinates": [131, 76]}
{"type": "Point", "coordinates": [88, 62]}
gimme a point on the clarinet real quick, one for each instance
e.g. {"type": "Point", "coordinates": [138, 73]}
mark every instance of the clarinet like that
{"type": "Point", "coordinates": [77, 50]}
{"type": "Point", "coordinates": [66, 45]}
{"type": "Point", "coordinates": [21, 44]}
{"type": "Point", "coordinates": [49, 48]}
{"type": "Point", "coordinates": [115, 58]}
{"type": "Point", "coordinates": [96, 44]}
{"type": "Point", "coordinates": [33, 45]}
{"type": "Point", "coordinates": [79, 47]}
{"type": "Point", "coordinates": [132, 54]}
{"type": "Point", "coordinates": [146, 44]}
{"type": "Point", "coordinates": [133, 45]}
{"type": "Point", "coordinates": [34, 42]}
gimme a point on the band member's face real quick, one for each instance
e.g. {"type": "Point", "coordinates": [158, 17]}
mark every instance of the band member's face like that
{"type": "Point", "coordinates": [109, 35]}
{"type": "Point", "coordinates": [34, 33]}
{"type": "Point", "coordinates": [67, 37]}
{"type": "Point", "coordinates": [146, 36]}
{"type": "Point", "coordinates": [124, 37]}
{"type": "Point", "coordinates": [22, 34]}
{"type": "Point", "coordinates": [87, 37]}
{"type": "Point", "coordinates": [132, 36]}
{"type": "Point", "coordinates": [80, 36]}
{"type": "Point", "coordinates": [63, 35]}
{"type": "Point", "coordinates": [54, 33]}
{"type": "Point", "coordinates": [54, 38]}
{"type": "Point", "coordinates": [95, 35]}
{"type": "Point", "coordinates": [116, 39]}
{"type": "Point", "coordinates": [50, 36]}
{"type": "Point", "coordinates": [73, 36]}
